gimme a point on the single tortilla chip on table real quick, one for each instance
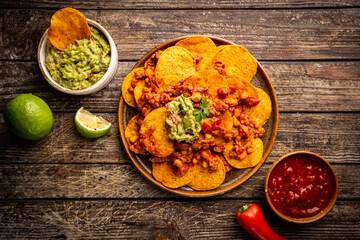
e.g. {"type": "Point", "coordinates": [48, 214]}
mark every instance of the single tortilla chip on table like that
{"type": "Point", "coordinates": [127, 83]}
{"type": "Point", "coordinates": [200, 46]}
{"type": "Point", "coordinates": [68, 25]}
{"type": "Point", "coordinates": [132, 134]}
{"type": "Point", "coordinates": [158, 142]}
{"type": "Point", "coordinates": [175, 65]}
{"type": "Point", "coordinates": [251, 159]}
{"type": "Point", "coordinates": [237, 61]}
{"type": "Point", "coordinates": [164, 173]}
{"type": "Point", "coordinates": [262, 111]}
{"type": "Point", "coordinates": [208, 179]}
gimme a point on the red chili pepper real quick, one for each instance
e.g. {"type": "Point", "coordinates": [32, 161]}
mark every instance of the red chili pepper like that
{"type": "Point", "coordinates": [206, 128]}
{"type": "Point", "coordinates": [216, 124]}
{"type": "Point", "coordinates": [251, 218]}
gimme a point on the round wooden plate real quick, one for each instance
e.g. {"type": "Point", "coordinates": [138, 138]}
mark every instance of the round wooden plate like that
{"type": "Point", "coordinates": [236, 176]}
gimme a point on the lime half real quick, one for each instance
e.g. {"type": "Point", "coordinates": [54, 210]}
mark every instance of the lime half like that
{"type": "Point", "coordinates": [89, 125]}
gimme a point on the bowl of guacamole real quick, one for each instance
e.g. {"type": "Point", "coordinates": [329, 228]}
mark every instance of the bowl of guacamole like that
{"type": "Point", "coordinates": [84, 67]}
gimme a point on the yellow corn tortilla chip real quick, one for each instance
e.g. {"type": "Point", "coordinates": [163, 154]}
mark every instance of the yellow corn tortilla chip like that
{"type": "Point", "coordinates": [237, 60]}
{"type": "Point", "coordinates": [164, 145]}
{"type": "Point", "coordinates": [233, 98]}
{"type": "Point", "coordinates": [207, 179]}
{"type": "Point", "coordinates": [197, 80]}
{"type": "Point", "coordinates": [68, 25]}
{"type": "Point", "coordinates": [132, 134]}
{"type": "Point", "coordinates": [241, 87]}
{"type": "Point", "coordinates": [201, 46]}
{"type": "Point", "coordinates": [208, 79]}
{"type": "Point", "coordinates": [248, 87]}
{"type": "Point", "coordinates": [138, 90]}
{"type": "Point", "coordinates": [226, 120]}
{"type": "Point", "coordinates": [163, 173]}
{"type": "Point", "coordinates": [262, 111]}
{"type": "Point", "coordinates": [132, 129]}
{"type": "Point", "coordinates": [227, 166]}
{"type": "Point", "coordinates": [214, 80]}
{"type": "Point", "coordinates": [220, 47]}
{"type": "Point", "coordinates": [251, 159]}
{"type": "Point", "coordinates": [129, 96]}
{"type": "Point", "coordinates": [226, 123]}
{"type": "Point", "coordinates": [175, 65]}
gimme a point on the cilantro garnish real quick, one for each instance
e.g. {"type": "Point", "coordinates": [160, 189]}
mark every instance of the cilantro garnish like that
{"type": "Point", "coordinates": [203, 112]}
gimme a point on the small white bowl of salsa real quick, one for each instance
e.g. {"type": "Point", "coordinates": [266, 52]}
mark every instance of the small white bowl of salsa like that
{"type": "Point", "coordinates": [92, 82]}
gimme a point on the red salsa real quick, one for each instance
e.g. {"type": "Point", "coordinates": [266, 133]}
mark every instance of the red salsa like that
{"type": "Point", "coordinates": [301, 186]}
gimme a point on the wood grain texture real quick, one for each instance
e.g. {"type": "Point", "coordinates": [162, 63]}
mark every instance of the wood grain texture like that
{"type": "Point", "coordinates": [64, 143]}
{"type": "Point", "coordinates": [334, 136]}
{"type": "Point", "coordinates": [68, 187]}
{"type": "Point", "coordinates": [160, 219]}
{"type": "Point", "coordinates": [267, 34]}
{"type": "Point", "coordinates": [86, 181]}
{"type": "Point", "coordinates": [156, 4]}
{"type": "Point", "coordinates": [300, 86]}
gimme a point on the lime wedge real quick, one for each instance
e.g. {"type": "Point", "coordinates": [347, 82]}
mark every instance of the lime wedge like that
{"type": "Point", "coordinates": [89, 125]}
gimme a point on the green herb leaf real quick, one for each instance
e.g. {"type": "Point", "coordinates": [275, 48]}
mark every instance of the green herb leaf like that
{"type": "Point", "coordinates": [205, 106]}
{"type": "Point", "coordinates": [206, 112]}
{"type": "Point", "coordinates": [202, 113]}
{"type": "Point", "coordinates": [198, 118]}
{"type": "Point", "coordinates": [203, 101]}
{"type": "Point", "coordinates": [196, 112]}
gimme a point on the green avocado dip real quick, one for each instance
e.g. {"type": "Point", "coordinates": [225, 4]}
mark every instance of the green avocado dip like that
{"type": "Point", "coordinates": [81, 64]}
{"type": "Point", "coordinates": [181, 122]}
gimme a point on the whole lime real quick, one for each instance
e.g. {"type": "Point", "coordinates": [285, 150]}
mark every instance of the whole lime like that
{"type": "Point", "coordinates": [29, 117]}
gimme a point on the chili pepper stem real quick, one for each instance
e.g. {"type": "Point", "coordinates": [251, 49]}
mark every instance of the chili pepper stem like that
{"type": "Point", "coordinates": [244, 208]}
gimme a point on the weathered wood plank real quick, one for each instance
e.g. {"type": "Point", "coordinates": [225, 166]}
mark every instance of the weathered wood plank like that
{"type": "Point", "coordinates": [156, 4]}
{"type": "Point", "coordinates": [334, 136]}
{"type": "Point", "coordinates": [267, 34]}
{"type": "Point", "coordinates": [138, 219]}
{"type": "Point", "coordinates": [25, 77]}
{"type": "Point", "coordinates": [64, 142]}
{"type": "Point", "coordinates": [300, 86]}
{"type": "Point", "coordinates": [21, 181]}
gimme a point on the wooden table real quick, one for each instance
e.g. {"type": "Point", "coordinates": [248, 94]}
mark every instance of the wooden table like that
{"type": "Point", "coordinates": [66, 186]}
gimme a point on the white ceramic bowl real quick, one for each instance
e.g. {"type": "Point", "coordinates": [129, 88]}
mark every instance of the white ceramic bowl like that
{"type": "Point", "coordinates": [94, 88]}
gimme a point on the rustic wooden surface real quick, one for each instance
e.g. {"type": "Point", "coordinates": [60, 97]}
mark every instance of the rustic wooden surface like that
{"type": "Point", "coordinates": [68, 187]}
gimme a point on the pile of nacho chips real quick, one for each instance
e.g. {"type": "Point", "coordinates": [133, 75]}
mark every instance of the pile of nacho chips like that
{"type": "Point", "coordinates": [196, 68]}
